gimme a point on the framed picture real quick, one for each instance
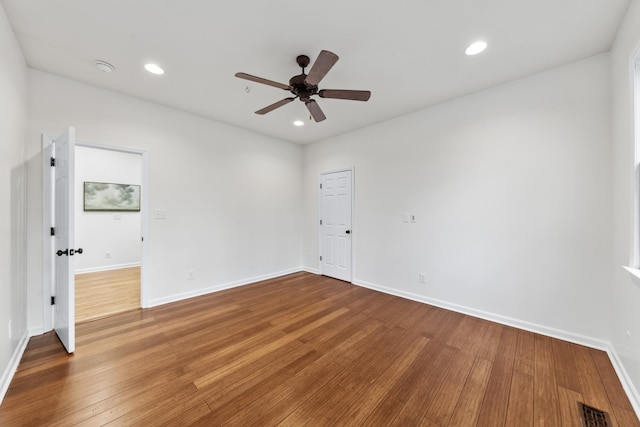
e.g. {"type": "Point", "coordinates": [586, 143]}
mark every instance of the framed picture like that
{"type": "Point", "coordinates": [100, 196]}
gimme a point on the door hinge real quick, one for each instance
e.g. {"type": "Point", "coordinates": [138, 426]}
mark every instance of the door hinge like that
{"type": "Point", "coordinates": [53, 231]}
{"type": "Point", "coordinates": [53, 162]}
{"type": "Point", "coordinates": [320, 257]}
{"type": "Point", "coordinates": [320, 222]}
{"type": "Point", "coordinates": [53, 300]}
{"type": "Point", "coordinates": [321, 186]}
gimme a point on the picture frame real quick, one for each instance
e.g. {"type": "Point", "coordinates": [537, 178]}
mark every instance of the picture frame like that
{"type": "Point", "coordinates": [107, 197]}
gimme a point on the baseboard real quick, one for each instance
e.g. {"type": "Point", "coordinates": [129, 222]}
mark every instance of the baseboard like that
{"type": "Point", "coordinates": [504, 320]}
{"type": "Point", "coordinates": [311, 270]}
{"type": "Point", "coordinates": [12, 367]}
{"type": "Point", "coordinates": [106, 268]}
{"type": "Point", "coordinates": [221, 287]}
{"type": "Point", "coordinates": [35, 331]}
{"type": "Point", "coordinates": [627, 384]}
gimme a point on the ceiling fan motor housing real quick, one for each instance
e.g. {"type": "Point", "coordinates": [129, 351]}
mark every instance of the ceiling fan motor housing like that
{"type": "Point", "coordinates": [302, 89]}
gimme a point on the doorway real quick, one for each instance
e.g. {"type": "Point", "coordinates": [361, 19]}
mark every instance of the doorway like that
{"type": "Point", "coordinates": [336, 205]}
{"type": "Point", "coordinates": [51, 286]}
{"type": "Point", "coordinates": [107, 275]}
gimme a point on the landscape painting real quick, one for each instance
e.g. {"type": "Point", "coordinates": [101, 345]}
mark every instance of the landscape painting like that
{"type": "Point", "coordinates": [100, 196]}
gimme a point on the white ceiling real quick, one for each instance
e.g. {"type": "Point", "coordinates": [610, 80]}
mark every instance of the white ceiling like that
{"type": "Point", "coordinates": [409, 53]}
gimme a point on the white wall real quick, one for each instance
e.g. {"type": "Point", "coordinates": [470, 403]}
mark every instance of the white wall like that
{"type": "Point", "coordinates": [13, 260]}
{"type": "Point", "coordinates": [625, 290]}
{"type": "Point", "coordinates": [512, 191]}
{"type": "Point", "coordinates": [97, 233]}
{"type": "Point", "coordinates": [232, 197]}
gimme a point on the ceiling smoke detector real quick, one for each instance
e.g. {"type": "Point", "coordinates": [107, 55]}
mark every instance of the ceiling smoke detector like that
{"type": "Point", "coordinates": [103, 66]}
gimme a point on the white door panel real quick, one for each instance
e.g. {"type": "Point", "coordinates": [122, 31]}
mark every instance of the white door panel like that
{"type": "Point", "coordinates": [64, 280]}
{"type": "Point", "coordinates": [336, 201]}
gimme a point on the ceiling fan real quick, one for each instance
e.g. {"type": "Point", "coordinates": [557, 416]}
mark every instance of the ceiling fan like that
{"type": "Point", "coordinates": [304, 86]}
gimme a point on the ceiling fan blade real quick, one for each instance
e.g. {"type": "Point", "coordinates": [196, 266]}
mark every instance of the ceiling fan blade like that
{"type": "Point", "coordinates": [275, 105]}
{"type": "Point", "coordinates": [263, 81]}
{"type": "Point", "coordinates": [354, 95]}
{"type": "Point", "coordinates": [315, 110]}
{"type": "Point", "coordinates": [321, 67]}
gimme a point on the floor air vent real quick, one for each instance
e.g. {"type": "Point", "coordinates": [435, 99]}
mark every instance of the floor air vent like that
{"type": "Point", "coordinates": [592, 417]}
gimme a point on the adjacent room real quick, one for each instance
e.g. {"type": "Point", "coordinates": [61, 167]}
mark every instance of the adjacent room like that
{"type": "Point", "coordinates": [107, 277]}
{"type": "Point", "coordinates": [320, 214]}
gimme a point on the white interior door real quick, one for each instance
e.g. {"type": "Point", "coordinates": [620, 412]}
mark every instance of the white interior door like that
{"type": "Point", "coordinates": [64, 279]}
{"type": "Point", "coordinates": [335, 224]}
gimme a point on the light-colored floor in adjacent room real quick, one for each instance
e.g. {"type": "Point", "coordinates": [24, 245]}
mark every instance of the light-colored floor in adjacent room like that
{"type": "Point", "coordinates": [105, 293]}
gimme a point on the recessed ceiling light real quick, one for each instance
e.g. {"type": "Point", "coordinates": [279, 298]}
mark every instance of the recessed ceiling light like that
{"type": "Point", "coordinates": [298, 123]}
{"type": "Point", "coordinates": [103, 66]}
{"type": "Point", "coordinates": [475, 48]}
{"type": "Point", "coordinates": [154, 69]}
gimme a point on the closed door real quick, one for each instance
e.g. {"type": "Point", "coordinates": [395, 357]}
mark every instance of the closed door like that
{"type": "Point", "coordinates": [335, 224]}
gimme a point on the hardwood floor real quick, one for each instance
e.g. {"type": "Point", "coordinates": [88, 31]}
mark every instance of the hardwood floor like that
{"type": "Point", "coordinates": [308, 350]}
{"type": "Point", "coordinates": [105, 293]}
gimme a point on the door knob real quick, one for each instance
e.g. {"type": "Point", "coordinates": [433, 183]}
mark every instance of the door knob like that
{"type": "Point", "coordinates": [348, 231]}
{"type": "Point", "coordinates": [69, 252]}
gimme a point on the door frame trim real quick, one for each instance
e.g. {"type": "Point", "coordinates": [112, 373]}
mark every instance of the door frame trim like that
{"type": "Point", "coordinates": [351, 169]}
{"type": "Point", "coordinates": [47, 260]}
{"type": "Point", "coordinates": [47, 241]}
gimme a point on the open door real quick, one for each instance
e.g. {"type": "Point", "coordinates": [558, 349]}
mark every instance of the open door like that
{"type": "Point", "coordinates": [64, 249]}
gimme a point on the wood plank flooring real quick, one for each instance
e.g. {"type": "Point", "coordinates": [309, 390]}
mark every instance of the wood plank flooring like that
{"type": "Point", "coordinates": [308, 350]}
{"type": "Point", "coordinates": [105, 293]}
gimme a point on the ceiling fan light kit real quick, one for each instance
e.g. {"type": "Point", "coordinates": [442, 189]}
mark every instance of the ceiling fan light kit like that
{"type": "Point", "coordinates": [304, 86]}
